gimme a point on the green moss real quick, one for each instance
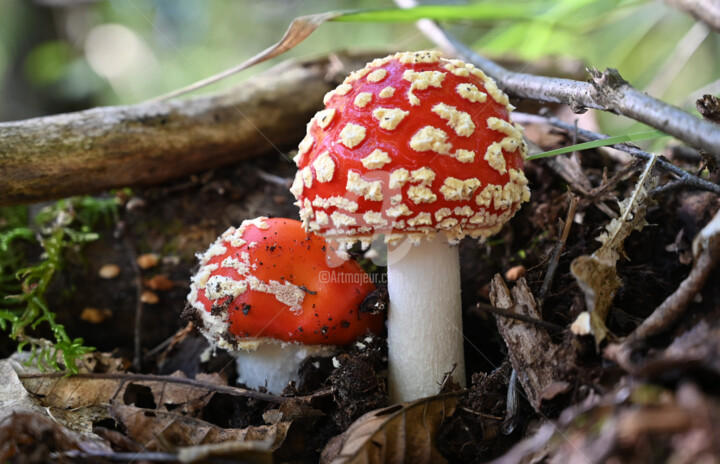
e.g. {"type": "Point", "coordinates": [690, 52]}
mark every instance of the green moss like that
{"type": "Point", "coordinates": [53, 232]}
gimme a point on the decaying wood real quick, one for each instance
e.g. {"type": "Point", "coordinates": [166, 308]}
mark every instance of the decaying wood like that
{"type": "Point", "coordinates": [709, 107]}
{"type": "Point", "coordinates": [148, 143]}
{"type": "Point", "coordinates": [532, 354]}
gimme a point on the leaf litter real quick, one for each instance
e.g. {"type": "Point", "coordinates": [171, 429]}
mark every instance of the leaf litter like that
{"type": "Point", "coordinates": [596, 274]}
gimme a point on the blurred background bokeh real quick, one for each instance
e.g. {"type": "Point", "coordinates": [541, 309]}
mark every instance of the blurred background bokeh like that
{"type": "Point", "coordinates": [64, 55]}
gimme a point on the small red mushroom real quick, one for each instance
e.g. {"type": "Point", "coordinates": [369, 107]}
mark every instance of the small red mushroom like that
{"type": "Point", "coordinates": [416, 147]}
{"type": "Point", "coordinates": [265, 293]}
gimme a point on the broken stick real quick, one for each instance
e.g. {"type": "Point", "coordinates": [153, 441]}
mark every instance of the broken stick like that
{"type": "Point", "coordinates": [149, 143]}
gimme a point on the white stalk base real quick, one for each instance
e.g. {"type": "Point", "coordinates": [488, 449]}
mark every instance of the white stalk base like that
{"type": "Point", "coordinates": [425, 334]}
{"type": "Point", "coordinates": [274, 364]}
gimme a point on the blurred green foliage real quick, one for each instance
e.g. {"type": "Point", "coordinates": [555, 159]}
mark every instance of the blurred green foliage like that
{"type": "Point", "coordinates": [171, 43]}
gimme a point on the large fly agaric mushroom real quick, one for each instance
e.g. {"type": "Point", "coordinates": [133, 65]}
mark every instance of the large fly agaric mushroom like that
{"type": "Point", "coordinates": [421, 149]}
{"type": "Point", "coordinates": [264, 293]}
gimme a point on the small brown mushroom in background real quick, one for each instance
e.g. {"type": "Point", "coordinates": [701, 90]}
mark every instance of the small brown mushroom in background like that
{"type": "Point", "coordinates": [149, 297]}
{"type": "Point", "coordinates": [148, 260]}
{"type": "Point", "coordinates": [109, 271]}
{"type": "Point", "coordinates": [160, 282]}
{"type": "Point", "coordinates": [515, 272]}
{"type": "Point", "coordinates": [95, 315]}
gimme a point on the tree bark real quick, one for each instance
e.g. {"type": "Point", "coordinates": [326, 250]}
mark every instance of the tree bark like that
{"type": "Point", "coordinates": [148, 143]}
{"type": "Point", "coordinates": [532, 353]}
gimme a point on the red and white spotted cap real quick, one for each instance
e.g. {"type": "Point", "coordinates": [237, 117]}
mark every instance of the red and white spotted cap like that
{"type": "Point", "coordinates": [268, 281]}
{"type": "Point", "coordinates": [411, 145]}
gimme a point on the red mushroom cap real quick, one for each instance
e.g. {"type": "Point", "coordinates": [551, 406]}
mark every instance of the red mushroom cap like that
{"type": "Point", "coordinates": [269, 279]}
{"type": "Point", "coordinates": [411, 145]}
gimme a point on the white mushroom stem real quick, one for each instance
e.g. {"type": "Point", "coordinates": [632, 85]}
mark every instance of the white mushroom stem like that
{"type": "Point", "coordinates": [274, 364]}
{"type": "Point", "coordinates": [425, 335]}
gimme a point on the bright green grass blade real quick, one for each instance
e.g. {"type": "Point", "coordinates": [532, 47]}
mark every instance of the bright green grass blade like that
{"type": "Point", "coordinates": [478, 11]}
{"type": "Point", "coordinates": [634, 137]}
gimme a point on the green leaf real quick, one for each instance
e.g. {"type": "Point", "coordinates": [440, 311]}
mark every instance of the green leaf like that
{"type": "Point", "coordinates": [479, 11]}
{"type": "Point", "coordinates": [634, 137]}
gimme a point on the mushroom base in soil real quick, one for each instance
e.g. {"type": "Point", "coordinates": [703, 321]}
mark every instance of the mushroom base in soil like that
{"type": "Point", "coordinates": [414, 146]}
{"type": "Point", "coordinates": [253, 359]}
{"type": "Point", "coordinates": [265, 293]}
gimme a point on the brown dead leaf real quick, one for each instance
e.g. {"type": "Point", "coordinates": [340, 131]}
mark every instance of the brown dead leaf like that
{"type": "Point", "coordinates": [82, 391]}
{"type": "Point", "coordinates": [71, 392]}
{"type": "Point", "coordinates": [164, 431]}
{"type": "Point", "coordinates": [32, 437]}
{"type": "Point", "coordinates": [251, 452]}
{"type": "Point", "coordinates": [23, 419]}
{"type": "Point", "coordinates": [400, 433]}
{"type": "Point", "coordinates": [294, 409]}
{"type": "Point", "coordinates": [596, 274]}
{"type": "Point", "coordinates": [14, 398]}
{"type": "Point", "coordinates": [300, 29]}
{"type": "Point", "coordinates": [182, 398]}
{"type": "Point", "coordinates": [74, 402]}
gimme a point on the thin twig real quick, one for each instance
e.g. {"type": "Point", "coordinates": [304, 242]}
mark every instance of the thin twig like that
{"type": "Point", "coordinates": [520, 317]}
{"type": "Point", "coordinates": [234, 391]}
{"type": "Point", "coordinates": [300, 28]}
{"type": "Point", "coordinates": [511, 406]}
{"type": "Point", "coordinates": [150, 143]}
{"type": "Point", "coordinates": [137, 281]}
{"type": "Point", "coordinates": [274, 179]}
{"type": "Point", "coordinates": [148, 456]}
{"type": "Point", "coordinates": [686, 179]}
{"type": "Point", "coordinates": [158, 348]}
{"type": "Point", "coordinates": [606, 91]}
{"type": "Point", "coordinates": [557, 251]}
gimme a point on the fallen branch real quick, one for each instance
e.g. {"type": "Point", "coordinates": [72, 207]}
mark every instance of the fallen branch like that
{"type": "Point", "coordinates": [606, 91]}
{"type": "Point", "coordinates": [706, 248]}
{"type": "Point", "coordinates": [148, 143]}
{"type": "Point", "coordinates": [685, 179]}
